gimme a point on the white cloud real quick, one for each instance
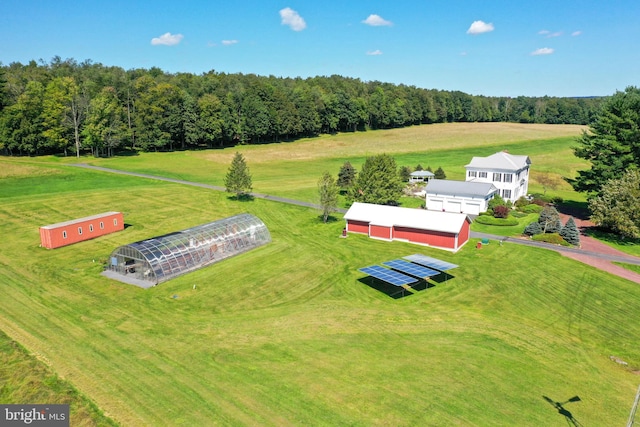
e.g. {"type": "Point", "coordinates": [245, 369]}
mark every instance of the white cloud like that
{"type": "Point", "coordinates": [576, 33]}
{"type": "Point", "coordinates": [479, 27]}
{"type": "Point", "coordinates": [542, 51]}
{"type": "Point", "coordinates": [548, 34]}
{"type": "Point", "coordinates": [291, 18]}
{"type": "Point", "coordinates": [377, 21]}
{"type": "Point", "coordinates": [374, 52]}
{"type": "Point", "coordinates": [167, 39]}
{"type": "Point", "coordinates": [229, 42]}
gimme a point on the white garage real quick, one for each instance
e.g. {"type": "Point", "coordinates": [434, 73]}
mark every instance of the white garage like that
{"type": "Point", "coordinates": [467, 197]}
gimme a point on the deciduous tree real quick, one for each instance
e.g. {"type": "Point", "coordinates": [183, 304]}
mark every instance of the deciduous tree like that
{"type": "Point", "coordinates": [617, 206]}
{"type": "Point", "coordinates": [328, 192]}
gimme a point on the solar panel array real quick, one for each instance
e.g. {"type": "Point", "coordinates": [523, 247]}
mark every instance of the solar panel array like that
{"type": "Point", "coordinates": [386, 275]}
{"type": "Point", "coordinates": [434, 263]}
{"type": "Point", "coordinates": [411, 268]}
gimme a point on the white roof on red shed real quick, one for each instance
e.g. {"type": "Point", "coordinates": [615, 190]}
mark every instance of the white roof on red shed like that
{"type": "Point", "coordinates": [421, 219]}
{"type": "Point", "coordinates": [79, 220]}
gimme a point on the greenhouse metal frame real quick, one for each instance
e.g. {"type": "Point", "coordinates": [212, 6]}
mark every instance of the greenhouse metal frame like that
{"type": "Point", "coordinates": [149, 262]}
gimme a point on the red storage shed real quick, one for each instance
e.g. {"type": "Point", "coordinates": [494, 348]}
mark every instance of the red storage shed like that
{"type": "Point", "coordinates": [445, 230]}
{"type": "Point", "coordinates": [77, 230]}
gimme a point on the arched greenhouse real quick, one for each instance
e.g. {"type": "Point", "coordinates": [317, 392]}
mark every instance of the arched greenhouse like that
{"type": "Point", "coordinates": [149, 262]}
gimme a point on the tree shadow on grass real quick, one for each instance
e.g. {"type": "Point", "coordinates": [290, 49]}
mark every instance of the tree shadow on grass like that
{"type": "Point", "coordinates": [330, 219]}
{"type": "Point", "coordinates": [242, 197]}
{"type": "Point", "coordinates": [608, 237]}
{"type": "Point", "coordinates": [579, 210]}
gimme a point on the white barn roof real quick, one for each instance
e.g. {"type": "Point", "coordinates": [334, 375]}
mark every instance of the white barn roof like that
{"type": "Point", "coordinates": [460, 188]}
{"type": "Point", "coordinates": [500, 160]}
{"type": "Point", "coordinates": [448, 222]}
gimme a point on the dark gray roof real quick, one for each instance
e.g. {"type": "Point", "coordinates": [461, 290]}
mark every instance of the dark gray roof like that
{"type": "Point", "coordinates": [460, 188]}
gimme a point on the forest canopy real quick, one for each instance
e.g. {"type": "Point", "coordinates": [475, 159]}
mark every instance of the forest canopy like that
{"type": "Point", "coordinates": [65, 106]}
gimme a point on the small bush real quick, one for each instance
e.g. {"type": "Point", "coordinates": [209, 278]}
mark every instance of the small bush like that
{"type": "Point", "coordinates": [489, 220]}
{"type": "Point", "coordinates": [521, 202]}
{"type": "Point", "coordinates": [539, 202]}
{"type": "Point", "coordinates": [501, 211]}
{"type": "Point", "coordinates": [532, 208]}
{"type": "Point", "coordinates": [553, 238]}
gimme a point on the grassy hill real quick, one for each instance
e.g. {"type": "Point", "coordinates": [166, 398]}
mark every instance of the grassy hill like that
{"type": "Point", "coordinates": [291, 333]}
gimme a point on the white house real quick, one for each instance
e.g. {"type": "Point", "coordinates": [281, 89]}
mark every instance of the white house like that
{"type": "Point", "coordinates": [507, 172]}
{"type": "Point", "coordinates": [467, 197]}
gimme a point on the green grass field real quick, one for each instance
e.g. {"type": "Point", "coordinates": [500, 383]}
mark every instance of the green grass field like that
{"type": "Point", "coordinates": [291, 333]}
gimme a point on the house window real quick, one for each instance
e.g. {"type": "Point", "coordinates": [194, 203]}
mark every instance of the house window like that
{"type": "Point", "coordinates": [482, 174]}
{"type": "Point", "coordinates": [91, 228]}
{"type": "Point", "coordinates": [101, 225]}
{"type": "Point", "coordinates": [115, 221]}
{"type": "Point", "coordinates": [64, 234]}
{"type": "Point", "coordinates": [506, 194]}
{"type": "Point", "coordinates": [79, 230]}
{"type": "Point", "coordinates": [507, 177]}
{"type": "Point", "coordinates": [472, 174]}
{"type": "Point", "coordinates": [496, 177]}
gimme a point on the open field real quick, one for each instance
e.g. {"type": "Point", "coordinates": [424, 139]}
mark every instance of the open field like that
{"type": "Point", "coordinates": [292, 169]}
{"type": "Point", "coordinates": [290, 334]}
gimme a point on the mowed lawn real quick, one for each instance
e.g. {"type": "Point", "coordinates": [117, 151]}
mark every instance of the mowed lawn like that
{"type": "Point", "coordinates": [291, 333]}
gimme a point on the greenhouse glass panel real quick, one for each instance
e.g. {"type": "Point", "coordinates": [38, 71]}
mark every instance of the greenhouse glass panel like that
{"type": "Point", "coordinates": [149, 262]}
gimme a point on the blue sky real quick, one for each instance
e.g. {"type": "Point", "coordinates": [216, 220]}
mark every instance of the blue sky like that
{"type": "Point", "coordinates": [482, 47]}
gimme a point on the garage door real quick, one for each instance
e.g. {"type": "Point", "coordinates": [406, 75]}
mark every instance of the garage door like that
{"type": "Point", "coordinates": [472, 209]}
{"type": "Point", "coordinates": [453, 206]}
{"type": "Point", "coordinates": [435, 204]}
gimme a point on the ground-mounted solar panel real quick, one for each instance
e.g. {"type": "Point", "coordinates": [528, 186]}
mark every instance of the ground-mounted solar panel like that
{"type": "Point", "coordinates": [386, 275]}
{"type": "Point", "coordinates": [411, 268]}
{"type": "Point", "coordinates": [430, 262]}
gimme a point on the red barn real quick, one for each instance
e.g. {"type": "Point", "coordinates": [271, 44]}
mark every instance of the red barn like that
{"type": "Point", "coordinates": [77, 230]}
{"type": "Point", "coordinates": [444, 230]}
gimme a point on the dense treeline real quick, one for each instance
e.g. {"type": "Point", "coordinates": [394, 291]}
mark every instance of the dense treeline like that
{"type": "Point", "coordinates": [68, 107]}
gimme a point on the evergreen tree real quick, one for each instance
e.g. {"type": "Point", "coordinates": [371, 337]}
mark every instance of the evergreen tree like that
{"type": "Point", "coordinates": [533, 229]}
{"type": "Point", "coordinates": [419, 167]}
{"type": "Point", "coordinates": [570, 232]}
{"type": "Point", "coordinates": [429, 169]}
{"type": "Point", "coordinates": [378, 182]}
{"type": "Point", "coordinates": [238, 179]}
{"type": "Point", "coordinates": [346, 176]}
{"type": "Point", "coordinates": [612, 144]}
{"type": "Point", "coordinates": [328, 191]}
{"type": "Point", "coordinates": [405, 173]}
{"type": "Point", "coordinates": [439, 174]}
